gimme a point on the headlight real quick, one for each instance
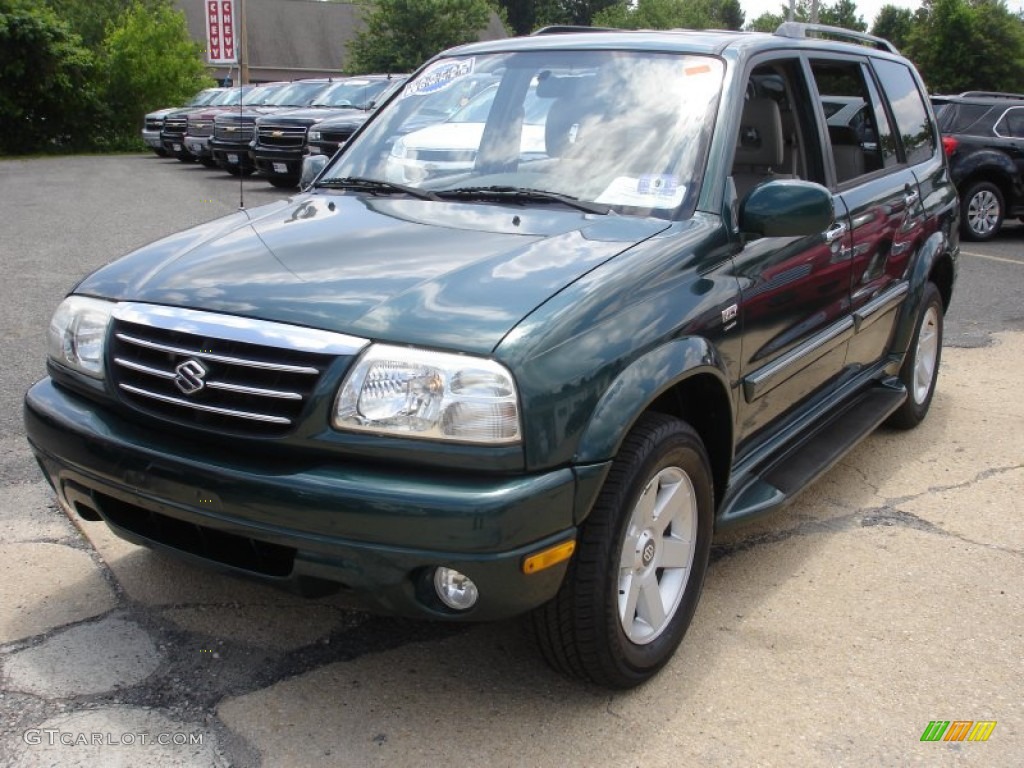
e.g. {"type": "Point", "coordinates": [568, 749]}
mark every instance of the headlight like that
{"type": "Point", "coordinates": [314, 135]}
{"type": "Point", "coordinates": [433, 395]}
{"type": "Point", "coordinates": [78, 332]}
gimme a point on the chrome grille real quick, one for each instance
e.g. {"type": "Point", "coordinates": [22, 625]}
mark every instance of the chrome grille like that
{"type": "Point", "coordinates": [282, 135]}
{"type": "Point", "coordinates": [241, 134]}
{"type": "Point", "coordinates": [154, 123]}
{"type": "Point", "coordinates": [217, 372]}
{"type": "Point", "coordinates": [200, 127]}
{"type": "Point", "coordinates": [175, 125]}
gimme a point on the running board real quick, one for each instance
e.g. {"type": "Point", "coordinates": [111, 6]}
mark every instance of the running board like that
{"type": "Point", "coordinates": [781, 478]}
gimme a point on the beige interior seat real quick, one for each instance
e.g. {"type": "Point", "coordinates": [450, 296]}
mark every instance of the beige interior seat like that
{"type": "Point", "coordinates": [759, 146]}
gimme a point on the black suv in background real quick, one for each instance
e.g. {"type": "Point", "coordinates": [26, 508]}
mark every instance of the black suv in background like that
{"type": "Point", "coordinates": [983, 137]}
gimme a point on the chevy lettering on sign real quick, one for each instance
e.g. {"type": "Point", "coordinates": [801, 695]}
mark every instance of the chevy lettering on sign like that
{"type": "Point", "coordinates": [220, 32]}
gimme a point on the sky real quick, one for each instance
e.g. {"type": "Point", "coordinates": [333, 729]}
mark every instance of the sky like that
{"type": "Point", "coordinates": [867, 9]}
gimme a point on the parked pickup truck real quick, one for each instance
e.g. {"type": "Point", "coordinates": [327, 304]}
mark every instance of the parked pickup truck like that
{"type": "Point", "coordinates": [280, 142]}
{"type": "Point", "coordinates": [154, 121]}
{"type": "Point", "coordinates": [234, 130]}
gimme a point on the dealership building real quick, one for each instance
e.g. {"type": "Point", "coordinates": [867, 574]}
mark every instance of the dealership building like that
{"type": "Point", "coordinates": [290, 39]}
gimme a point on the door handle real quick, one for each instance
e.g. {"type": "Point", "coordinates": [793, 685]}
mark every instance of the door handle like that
{"type": "Point", "coordinates": [835, 232]}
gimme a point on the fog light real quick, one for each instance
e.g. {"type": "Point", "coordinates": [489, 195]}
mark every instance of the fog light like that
{"type": "Point", "coordinates": [455, 589]}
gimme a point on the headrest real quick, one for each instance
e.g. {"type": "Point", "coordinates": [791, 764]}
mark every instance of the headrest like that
{"type": "Point", "coordinates": [760, 137]}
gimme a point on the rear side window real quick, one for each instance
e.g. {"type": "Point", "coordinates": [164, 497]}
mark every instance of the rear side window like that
{"type": "Point", "coordinates": [908, 108]}
{"type": "Point", "coordinates": [1012, 123]}
{"type": "Point", "coordinates": [962, 118]}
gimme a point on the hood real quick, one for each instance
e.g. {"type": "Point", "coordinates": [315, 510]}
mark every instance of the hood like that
{"type": "Point", "coordinates": [248, 114]}
{"type": "Point", "coordinates": [313, 115]}
{"type": "Point", "coordinates": [347, 120]}
{"type": "Point", "coordinates": [449, 275]}
{"type": "Point", "coordinates": [161, 112]}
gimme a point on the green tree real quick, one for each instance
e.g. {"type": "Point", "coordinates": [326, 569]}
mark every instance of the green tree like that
{"type": "Point", "coordinates": [894, 24]}
{"type": "Point", "coordinates": [959, 45]}
{"type": "Point", "coordinates": [842, 13]}
{"type": "Point", "coordinates": [151, 61]}
{"type": "Point", "coordinates": [524, 16]}
{"type": "Point", "coordinates": [47, 92]}
{"type": "Point", "coordinates": [766, 22]}
{"type": "Point", "coordinates": [89, 18]}
{"type": "Point", "coordinates": [672, 14]}
{"type": "Point", "coordinates": [402, 34]}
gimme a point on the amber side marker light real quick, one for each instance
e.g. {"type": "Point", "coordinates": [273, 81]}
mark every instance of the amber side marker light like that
{"type": "Point", "coordinates": [548, 557]}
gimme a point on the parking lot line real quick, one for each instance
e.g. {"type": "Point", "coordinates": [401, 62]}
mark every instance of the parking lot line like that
{"type": "Point", "coordinates": [993, 258]}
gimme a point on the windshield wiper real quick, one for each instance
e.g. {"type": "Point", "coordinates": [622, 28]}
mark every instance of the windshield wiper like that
{"type": "Point", "coordinates": [523, 195]}
{"type": "Point", "coordinates": [375, 186]}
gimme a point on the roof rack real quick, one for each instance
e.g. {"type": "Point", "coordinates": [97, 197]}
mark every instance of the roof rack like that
{"type": "Point", "coordinates": [562, 29]}
{"type": "Point", "coordinates": [991, 95]}
{"type": "Point", "coordinates": [800, 30]}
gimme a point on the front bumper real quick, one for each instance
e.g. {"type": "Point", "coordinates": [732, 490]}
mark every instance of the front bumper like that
{"type": "Point", "coordinates": [174, 143]}
{"type": "Point", "coordinates": [152, 139]}
{"type": "Point", "coordinates": [199, 146]}
{"type": "Point", "coordinates": [231, 154]}
{"type": "Point", "coordinates": [378, 532]}
{"type": "Point", "coordinates": [278, 162]}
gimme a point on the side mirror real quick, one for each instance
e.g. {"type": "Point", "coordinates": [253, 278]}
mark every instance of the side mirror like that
{"type": "Point", "coordinates": [311, 167]}
{"type": "Point", "coordinates": [786, 208]}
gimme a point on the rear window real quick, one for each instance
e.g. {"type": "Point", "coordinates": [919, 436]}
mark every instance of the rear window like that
{"type": "Point", "coordinates": [908, 107]}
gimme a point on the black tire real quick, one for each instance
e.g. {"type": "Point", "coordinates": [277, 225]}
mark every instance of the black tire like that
{"type": "Point", "coordinates": [919, 383]}
{"type": "Point", "coordinates": [161, 152]}
{"type": "Point", "coordinates": [580, 632]}
{"type": "Point", "coordinates": [981, 211]}
{"type": "Point", "coordinates": [284, 182]}
{"type": "Point", "coordinates": [209, 162]}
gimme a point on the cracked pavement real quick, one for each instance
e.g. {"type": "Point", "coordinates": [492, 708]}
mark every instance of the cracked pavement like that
{"type": "Point", "coordinates": [889, 594]}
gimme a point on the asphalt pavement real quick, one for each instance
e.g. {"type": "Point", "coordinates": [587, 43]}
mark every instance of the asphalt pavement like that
{"type": "Point", "coordinates": [888, 596]}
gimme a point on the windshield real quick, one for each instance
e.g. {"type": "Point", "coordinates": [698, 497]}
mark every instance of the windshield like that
{"type": "Point", "coordinates": [230, 96]}
{"type": "Point", "coordinates": [357, 93]}
{"type": "Point", "coordinates": [204, 97]}
{"type": "Point", "coordinates": [624, 129]}
{"type": "Point", "coordinates": [297, 94]}
{"type": "Point", "coordinates": [261, 94]}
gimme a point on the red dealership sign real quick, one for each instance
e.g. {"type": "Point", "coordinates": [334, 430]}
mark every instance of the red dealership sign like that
{"type": "Point", "coordinates": [220, 32]}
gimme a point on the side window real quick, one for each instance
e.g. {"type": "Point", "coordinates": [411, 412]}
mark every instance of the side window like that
{"type": "Point", "coordinates": [1012, 123]}
{"type": "Point", "coordinates": [908, 108]}
{"type": "Point", "coordinates": [859, 131]}
{"type": "Point", "coordinates": [777, 137]}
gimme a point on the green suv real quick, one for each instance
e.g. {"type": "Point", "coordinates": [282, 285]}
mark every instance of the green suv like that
{"type": "Point", "coordinates": [535, 377]}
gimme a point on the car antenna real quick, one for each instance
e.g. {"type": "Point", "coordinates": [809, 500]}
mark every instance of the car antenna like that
{"type": "Point", "coordinates": [241, 176]}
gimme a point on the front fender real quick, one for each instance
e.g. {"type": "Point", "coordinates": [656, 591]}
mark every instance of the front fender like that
{"type": "Point", "coordinates": [638, 385]}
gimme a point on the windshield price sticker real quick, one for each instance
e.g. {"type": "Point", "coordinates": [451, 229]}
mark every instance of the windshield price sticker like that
{"type": "Point", "coordinates": [440, 76]}
{"type": "Point", "coordinates": [648, 191]}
